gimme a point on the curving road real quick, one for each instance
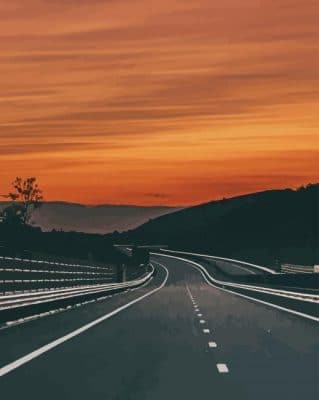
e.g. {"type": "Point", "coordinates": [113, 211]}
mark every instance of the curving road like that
{"type": "Point", "coordinates": [175, 338]}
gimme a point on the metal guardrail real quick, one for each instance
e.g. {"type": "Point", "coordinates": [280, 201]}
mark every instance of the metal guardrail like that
{"type": "Point", "coordinates": [230, 260]}
{"type": "Point", "coordinates": [26, 305]}
{"type": "Point", "coordinates": [49, 262]}
{"type": "Point", "coordinates": [24, 274]}
{"type": "Point", "coordinates": [312, 298]}
{"type": "Point", "coordinates": [302, 304]}
{"type": "Point", "coordinates": [298, 269]}
{"type": "Point", "coordinates": [22, 299]}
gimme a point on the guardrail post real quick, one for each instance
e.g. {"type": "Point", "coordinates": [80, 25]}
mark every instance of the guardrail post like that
{"type": "Point", "coordinates": [124, 273]}
{"type": "Point", "coordinates": [121, 273]}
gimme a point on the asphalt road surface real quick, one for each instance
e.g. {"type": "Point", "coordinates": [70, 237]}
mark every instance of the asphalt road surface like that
{"type": "Point", "coordinates": [175, 338]}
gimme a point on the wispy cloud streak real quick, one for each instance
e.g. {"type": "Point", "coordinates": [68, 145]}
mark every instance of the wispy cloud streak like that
{"type": "Point", "coordinates": [132, 95]}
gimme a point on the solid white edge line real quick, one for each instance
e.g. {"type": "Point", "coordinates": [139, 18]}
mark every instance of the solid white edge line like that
{"type": "Point", "coordinates": [200, 267]}
{"type": "Point", "coordinates": [302, 297]}
{"type": "Point", "coordinates": [295, 295]}
{"type": "Point", "coordinates": [36, 353]}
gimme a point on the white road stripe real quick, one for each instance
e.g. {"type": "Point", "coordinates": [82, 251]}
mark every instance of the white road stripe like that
{"type": "Point", "coordinates": [200, 268]}
{"type": "Point", "coordinates": [283, 293]}
{"type": "Point", "coordinates": [34, 354]}
{"type": "Point", "coordinates": [190, 294]}
{"type": "Point", "coordinates": [222, 368]}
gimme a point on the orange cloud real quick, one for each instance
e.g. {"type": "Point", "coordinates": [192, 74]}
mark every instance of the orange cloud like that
{"type": "Point", "coordinates": [118, 101]}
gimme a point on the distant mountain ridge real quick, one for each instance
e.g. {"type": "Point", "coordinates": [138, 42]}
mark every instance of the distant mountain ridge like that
{"type": "Point", "coordinates": [267, 227]}
{"type": "Point", "coordinates": [105, 218]}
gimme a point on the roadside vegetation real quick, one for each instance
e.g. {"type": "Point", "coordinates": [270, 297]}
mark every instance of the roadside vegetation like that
{"type": "Point", "coordinates": [268, 228]}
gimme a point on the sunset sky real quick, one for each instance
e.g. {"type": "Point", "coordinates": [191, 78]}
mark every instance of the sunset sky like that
{"type": "Point", "coordinates": [158, 102]}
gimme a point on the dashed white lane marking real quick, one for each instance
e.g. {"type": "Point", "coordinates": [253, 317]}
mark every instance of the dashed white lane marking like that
{"type": "Point", "coordinates": [222, 368]}
{"type": "Point", "coordinates": [190, 295]}
{"type": "Point", "coordinates": [200, 268]}
{"type": "Point", "coordinates": [192, 299]}
{"type": "Point", "coordinates": [36, 353]}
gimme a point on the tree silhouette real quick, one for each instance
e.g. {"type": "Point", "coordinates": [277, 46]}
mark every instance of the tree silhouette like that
{"type": "Point", "coordinates": [26, 197]}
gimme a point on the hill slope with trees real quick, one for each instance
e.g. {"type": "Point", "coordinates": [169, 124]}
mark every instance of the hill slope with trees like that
{"type": "Point", "coordinates": [266, 227]}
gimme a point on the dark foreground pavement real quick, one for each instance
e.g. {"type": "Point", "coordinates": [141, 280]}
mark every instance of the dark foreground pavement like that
{"type": "Point", "coordinates": [157, 348]}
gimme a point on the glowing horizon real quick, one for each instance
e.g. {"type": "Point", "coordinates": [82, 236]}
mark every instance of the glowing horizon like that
{"type": "Point", "coordinates": [158, 103]}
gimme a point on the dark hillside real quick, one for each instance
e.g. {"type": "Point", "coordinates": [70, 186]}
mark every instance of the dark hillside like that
{"type": "Point", "coordinates": [266, 227]}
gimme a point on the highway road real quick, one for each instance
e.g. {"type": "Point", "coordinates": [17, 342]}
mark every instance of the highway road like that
{"type": "Point", "coordinates": [175, 338]}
